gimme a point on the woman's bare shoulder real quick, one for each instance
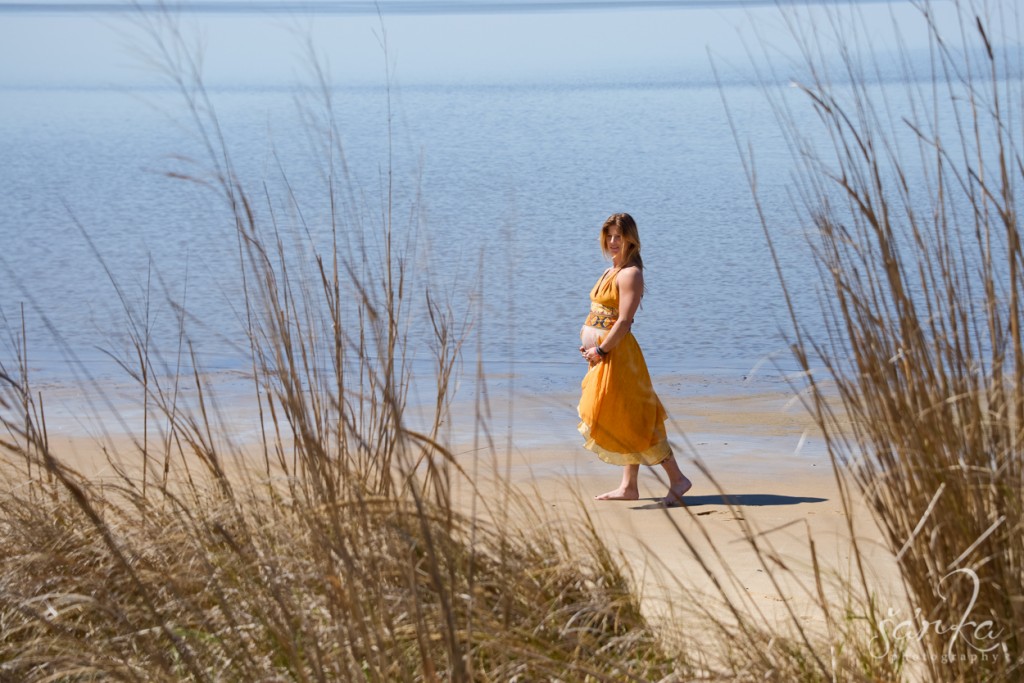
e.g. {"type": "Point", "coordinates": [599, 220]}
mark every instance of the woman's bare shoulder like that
{"type": "Point", "coordinates": [630, 275]}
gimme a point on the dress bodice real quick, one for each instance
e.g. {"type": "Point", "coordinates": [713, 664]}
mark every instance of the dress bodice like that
{"type": "Point", "coordinates": [604, 301]}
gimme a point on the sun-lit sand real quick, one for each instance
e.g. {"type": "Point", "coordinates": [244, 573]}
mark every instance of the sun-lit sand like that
{"type": "Point", "coordinates": [760, 473]}
{"type": "Point", "coordinates": [761, 477]}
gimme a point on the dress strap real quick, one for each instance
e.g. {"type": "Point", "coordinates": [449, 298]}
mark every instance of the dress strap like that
{"type": "Point", "coordinates": [611, 270]}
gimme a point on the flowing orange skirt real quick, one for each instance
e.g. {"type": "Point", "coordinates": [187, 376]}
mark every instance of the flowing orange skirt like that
{"type": "Point", "coordinates": [621, 418]}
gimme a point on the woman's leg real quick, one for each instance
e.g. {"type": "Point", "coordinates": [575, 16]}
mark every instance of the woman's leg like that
{"type": "Point", "coordinates": [678, 484]}
{"type": "Point", "coordinates": [628, 489]}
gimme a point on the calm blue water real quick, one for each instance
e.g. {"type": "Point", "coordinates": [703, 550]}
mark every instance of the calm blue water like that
{"type": "Point", "coordinates": [499, 191]}
{"type": "Point", "coordinates": [511, 180]}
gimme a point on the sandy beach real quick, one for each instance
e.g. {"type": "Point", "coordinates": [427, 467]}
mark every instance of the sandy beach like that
{"type": "Point", "coordinates": [764, 510]}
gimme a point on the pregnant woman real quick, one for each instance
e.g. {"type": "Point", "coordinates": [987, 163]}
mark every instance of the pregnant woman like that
{"type": "Point", "coordinates": [621, 418]}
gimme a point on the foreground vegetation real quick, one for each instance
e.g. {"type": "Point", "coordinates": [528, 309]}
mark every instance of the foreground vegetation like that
{"type": "Point", "coordinates": [331, 549]}
{"type": "Point", "coordinates": [912, 208]}
{"type": "Point", "coordinates": [335, 548]}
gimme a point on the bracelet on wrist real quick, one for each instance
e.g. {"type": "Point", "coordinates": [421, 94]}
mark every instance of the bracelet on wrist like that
{"type": "Point", "coordinates": [601, 352]}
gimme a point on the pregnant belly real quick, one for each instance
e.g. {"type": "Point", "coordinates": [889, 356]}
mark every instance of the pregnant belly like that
{"type": "Point", "coordinates": [591, 336]}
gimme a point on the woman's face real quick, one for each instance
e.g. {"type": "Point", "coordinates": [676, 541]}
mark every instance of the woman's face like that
{"type": "Point", "coordinates": [615, 240]}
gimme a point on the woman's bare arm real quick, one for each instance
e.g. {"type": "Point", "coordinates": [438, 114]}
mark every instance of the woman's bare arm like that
{"type": "Point", "coordinates": [631, 286]}
{"type": "Point", "coordinates": [630, 282]}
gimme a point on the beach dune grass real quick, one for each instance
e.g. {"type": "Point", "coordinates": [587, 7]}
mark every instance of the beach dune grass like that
{"type": "Point", "coordinates": [910, 195]}
{"type": "Point", "coordinates": [333, 548]}
{"type": "Point", "coordinates": [213, 589]}
{"type": "Point", "coordinates": [330, 547]}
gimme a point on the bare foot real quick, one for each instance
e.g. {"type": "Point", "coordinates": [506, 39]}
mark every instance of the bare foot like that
{"type": "Point", "coordinates": [676, 492]}
{"type": "Point", "coordinates": [619, 494]}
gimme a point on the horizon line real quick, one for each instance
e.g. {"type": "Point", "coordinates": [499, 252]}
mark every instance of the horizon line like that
{"type": "Point", "coordinates": [402, 6]}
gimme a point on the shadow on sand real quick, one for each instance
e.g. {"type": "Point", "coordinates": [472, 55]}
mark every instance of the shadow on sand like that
{"type": "Point", "coordinates": [738, 500]}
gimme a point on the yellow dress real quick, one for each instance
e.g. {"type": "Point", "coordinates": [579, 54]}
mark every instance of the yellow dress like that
{"type": "Point", "coordinates": [621, 418]}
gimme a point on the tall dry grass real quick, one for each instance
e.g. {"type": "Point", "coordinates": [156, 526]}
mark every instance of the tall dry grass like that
{"type": "Point", "coordinates": [332, 548]}
{"type": "Point", "coordinates": [335, 547]}
{"type": "Point", "coordinates": [909, 183]}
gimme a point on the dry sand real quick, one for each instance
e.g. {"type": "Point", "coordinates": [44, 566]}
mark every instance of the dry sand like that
{"type": "Point", "coordinates": [761, 478]}
{"type": "Point", "coordinates": [765, 498]}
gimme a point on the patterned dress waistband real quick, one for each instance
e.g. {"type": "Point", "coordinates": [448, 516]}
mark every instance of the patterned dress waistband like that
{"type": "Point", "coordinates": [601, 317]}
